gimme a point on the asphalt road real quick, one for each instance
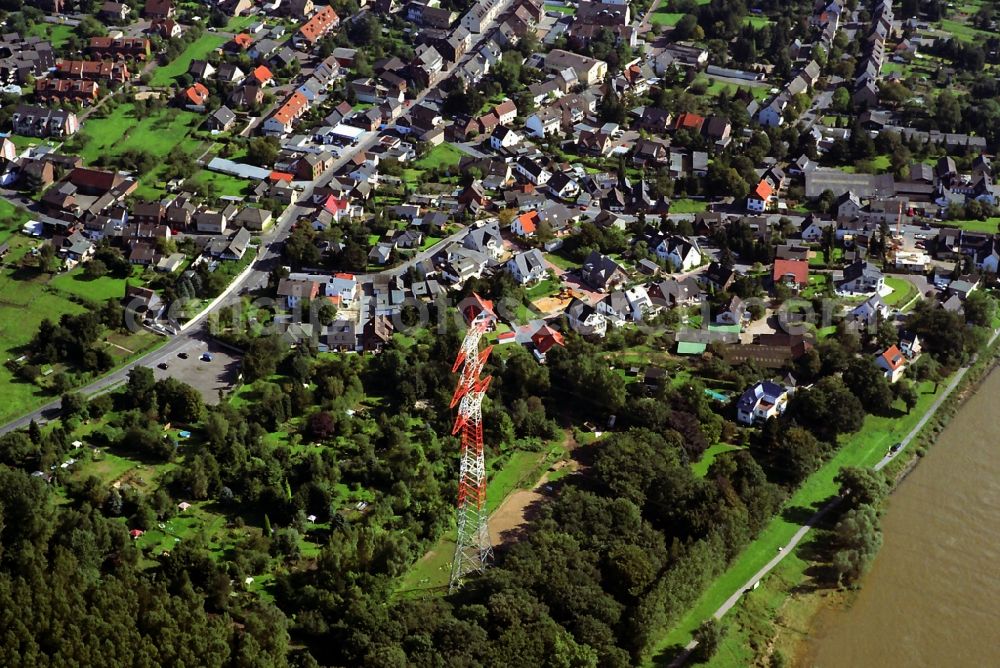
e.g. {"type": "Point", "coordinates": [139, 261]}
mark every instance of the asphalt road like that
{"type": "Point", "coordinates": [268, 258]}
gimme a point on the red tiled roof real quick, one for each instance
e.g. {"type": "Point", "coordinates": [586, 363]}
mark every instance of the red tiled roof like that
{"type": "Point", "coordinates": [893, 358]}
{"type": "Point", "coordinates": [262, 74]}
{"type": "Point", "coordinates": [275, 176]}
{"type": "Point", "coordinates": [799, 269]}
{"type": "Point", "coordinates": [197, 94]}
{"type": "Point", "coordinates": [546, 338]}
{"type": "Point", "coordinates": [764, 190]}
{"type": "Point", "coordinates": [690, 121]}
{"type": "Point", "coordinates": [319, 24]}
{"type": "Point", "coordinates": [333, 205]}
{"type": "Point", "coordinates": [243, 40]}
{"type": "Point", "coordinates": [529, 221]}
{"type": "Point", "coordinates": [292, 108]}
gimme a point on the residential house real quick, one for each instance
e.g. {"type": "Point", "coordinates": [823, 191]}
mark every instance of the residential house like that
{"type": "Point", "coordinates": [545, 339]}
{"type": "Point", "coordinates": [528, 267]}
{"type": "Point", "coordinates": [868, 313]}
{"type": "Point", "coordinates": [318, 26]}
{"type": "Point", "coordinates": [718, 276]}
{"type": "Point", "coordinates": [793, 274]}
{"type": "Point", "coordinates": [50, 91]}
{"type": "Point", "coordinates": [43, 122]}
{"type": "Point", "coordinates": [761, 402]}
{"type": "Point", "coordinates": [281, 121]}
{"type": "Point", "coordinates": [861, 277]}
{"type": "Point", "coordinates": [221, 120]}
{"type": "Point", "coordinates": [680, 252]}
{"type": "Point", "coordinates": [533, 171]}
{"type": "Point", "coordinates": [892, 362]}
{"type": "Point", "coordinates": [486, 240]}
{"type": "Point", "coordinates": [296, 291]}
{"type": "Point", "coordinates": [159, 9]}
{"type": "Point", "coordinates": [503, 138]}
{"type": "Point", "coordinates": [585, 320]}
{"type": "Point", "coordinates": [526, 224]}
{"type": "Point", "coordinates": [588, 70]}
{"type": "Point", "coordinates": [732, 313]}
{"type": "Point", "coordinates": [602, 273]}
{"type": "Point", "coordinates": [909, 344]}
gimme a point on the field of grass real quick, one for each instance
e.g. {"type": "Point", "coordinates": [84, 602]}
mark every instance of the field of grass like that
{"type": "Point", "coordinates": [24, 303]}
{"type": "Point", "coordinates": [55, 33]}
{"type": "Point", "coordinates": [97, 289]}
{"type": "Point", "coordinates": [963, 31]}
{"type": "Point", "coordinates": [546, 287]}
{"type": "Point", "coordinates": [225, 184]}
{"type": "Point", "coordinates": [562, 9]}
{"type": "Point", "coordinates": [757, 22]}
{"type": "Point", "coordinates": [11, 219]}
{"type": "Point", "coordinates": [443, 155]}
{"type": "Point", "coordinates": [196, 50]}
{"type": "Point", "coordinates": [121, 131]}
{"type": "Point", "coordinates": [700, 467]}
{"type": "Point", "coordinates": [989, 225]}
{"type": "Point", "coordinates": [902, 291]}
{"type": "Point", "coordinates": [864, 448]}
{"type": "Point", "coordinates": [662, 17]}
{"type": "Point", "coordinates": [688, 206]}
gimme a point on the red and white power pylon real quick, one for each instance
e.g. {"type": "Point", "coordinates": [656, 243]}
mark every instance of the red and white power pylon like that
{"type": "Point", "coordinates": [473, 550]}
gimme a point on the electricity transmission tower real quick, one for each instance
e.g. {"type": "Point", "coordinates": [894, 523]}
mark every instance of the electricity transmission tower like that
{"type": "Point", "coordinates": [473, 550]}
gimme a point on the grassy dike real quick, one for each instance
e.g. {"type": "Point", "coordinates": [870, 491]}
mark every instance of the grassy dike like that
{"type": "Point", "coordinates": [769, 625]}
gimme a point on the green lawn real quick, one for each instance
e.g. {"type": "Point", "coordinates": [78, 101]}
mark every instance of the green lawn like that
{"type": "Point", "coordinates": [121, 130]}
{"type": "Point", "coordinates": [989, 225]}
{"type": "Point", "coordinates": [688, 206]}
{"type": "Point", "coordinates": [902, 291]}
{"type": "Point", "coordinates": [662, 17]}
{"type": "Point", "coordinates": [700, 467]}
{"type": "Point", "coordinates": [196, 50]}
{"type": "Point", "coordinates": [757, 22]}
{"type": "Point", "coordinates": [562, 9]}
{"type": "Point", "coordinates": [817, 259]}
{"type": "Point", "coordinates": [963, 31]}
{"type": "Point", "coordinates": [55, 33]}
{"type": "Point", "coordinates": [561, 261]}
{"type": "Point", "coordinates": [442, 155]}
{"type": "Point", "coordinates": [98, 289]}
{"type": "Point", "coordinates": [156, 134]}
{"type": "Point", "coordinates": [24, 303]}
{"type": "Point", "coordinates": [225, 184]}
{"type": "Point", "coordinates": [548, 286]}
{"type": "Point", "coordinates": [864, 448]}
{"type": "Point", "coordinates": [11, 219]}
{"type": "Point", "coordinates": [22, 142]}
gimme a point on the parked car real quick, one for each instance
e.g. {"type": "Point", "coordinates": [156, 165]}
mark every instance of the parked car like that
{"type": "Point", "coordinates": [163, 365]}
{"type": "Point", "coordinates": [183, 356]}
{"type": "Point", "coordinates": [206, 357]}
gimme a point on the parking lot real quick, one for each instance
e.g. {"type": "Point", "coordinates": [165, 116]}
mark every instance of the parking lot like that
{"type": "Point", "coordinates": [208, 377]}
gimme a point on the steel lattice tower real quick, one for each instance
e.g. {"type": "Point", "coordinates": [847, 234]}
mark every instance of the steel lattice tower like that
{"type": "Point", "coordinates": [473, 549]}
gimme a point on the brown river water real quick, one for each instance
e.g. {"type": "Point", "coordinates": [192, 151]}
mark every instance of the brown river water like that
{"type": "Point", "coordinates": [932, 597]}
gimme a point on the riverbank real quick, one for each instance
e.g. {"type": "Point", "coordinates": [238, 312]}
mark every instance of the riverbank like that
{"type": "Point", "coordinates": [766, 624]}
{"type": "Point", "coordinates": [774, 624]}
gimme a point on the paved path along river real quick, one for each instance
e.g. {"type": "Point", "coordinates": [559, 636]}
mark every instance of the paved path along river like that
{"type": "Point", "coordinates": [931, 596]}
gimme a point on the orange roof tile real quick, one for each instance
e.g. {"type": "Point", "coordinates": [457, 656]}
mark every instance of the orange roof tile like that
{"type": "Point", "coordinates": [764, 190]}
{"type": "Point", "coordinates": [799, 269]}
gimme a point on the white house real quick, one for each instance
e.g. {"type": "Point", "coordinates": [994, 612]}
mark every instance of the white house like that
{"type": "Point", "coordinates": [640, 302]}
{"type": "Point", "coordinates": [532, 171]}
{"type": "Point", "coordinates": [764, 400]}
{"type": "Point", "coordinates": [863, 277]}
{"type": "Point", "coordinates": [682, 253]}
{"type": "Point", "coordinates": [892, 362]}
{"type": "Point", "coordinates": [527, 267]}
{"type": "Point", "coordinates": [503, 137]}
{"type": "Point", "coordinates": [543, 123]}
